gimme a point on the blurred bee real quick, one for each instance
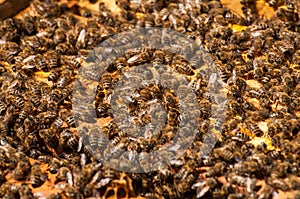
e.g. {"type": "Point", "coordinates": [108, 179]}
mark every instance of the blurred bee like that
{"type": "Point", "coordinates": [104, 110]}
{"type": "Point", "coordinates": [254, 128]}
{"type": "Point", "coordinates": [106, 81]}
{"type": "Point", "coordinates": [2, 108]}
{"type": "Point", "coordinates": [69, 139]}
{"type": "Point", "coordinates": [203, 186]}
{"type": "Point", "coordinates": [158, 58]}
{"type": "Point", "coordinates": [216, 170]}
{"type": "Point", "coordinates": [52, 58]}
{"type": "Point", "coordinates": [25, 192]}
{"type": "Point", "coordinates": [64, 174]}
{"type": "Point", "coordinates": [290, 10]}
{"type": "Point", "coordinates": [49, 137]}
{"type": "Point", "coordinates": [224, 153]}
{"type": "Point", "coordinates": [278, 183]}
{"type": "Point", "coordinates": [55, 165]}
{"type": "Point", "coordinates": [169, 191]}
{"type": "Point", "coordinates": [142, 57]}
{"type": "Point", "coordinates": [266, 192]}
{"type": "Point", "coordinates": [54, 75]}
{"type": "Point", "coordinates": [19, 102]}
{"type": "Point", "coordinates": [22, 169]}
{"type": "Point", "coordinates": [64, 79]}
{"type": "Point", "coordinates": [37, 177]}
{"type": "Point", "coordinates": [185, 170]}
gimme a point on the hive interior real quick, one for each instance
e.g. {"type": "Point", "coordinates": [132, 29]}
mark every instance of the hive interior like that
{"type": "Point", "coordinates": [256, 54]}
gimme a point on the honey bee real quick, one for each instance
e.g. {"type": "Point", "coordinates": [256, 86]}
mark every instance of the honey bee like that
{"type": "Point", "coordinates": [22, 169]}
{"type": "Point", "coordinates": [138, 59]}
{"type": "Point", "coordinates": [37, 177]}
{"type": "Point", "coordinates": [55, 165]}
{"type": "Point", "coordinates": [216, 170]}
{"type": "Point", "coordinates": [2, 108]}
{"type": "Point", "coordinates": [25, 192]}
{"type": "Point", "coordinates": [106, 81]}
{"type": "Point", "coordinates": [185, 170]}
{"type": "Point", "coordinates": [69, 139]}
{"type": "Point", "coordinates": [278, 184]}
{"type": "Point", "coordinates": [64, 174]}
{"type": "Point", "coordinates": [203, 186]}
{"type": "Point", "coordinates": [104, 109]}
{"type": "Point", "coordinates": [224, 153]}
{"type": "Point", "coordinates": [54, 75]}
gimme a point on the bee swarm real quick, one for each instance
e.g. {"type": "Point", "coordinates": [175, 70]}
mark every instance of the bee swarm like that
{"type": "Point", "coordinates": [258, 61]}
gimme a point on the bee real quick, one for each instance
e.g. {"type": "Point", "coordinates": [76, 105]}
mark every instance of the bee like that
{"type": "Point", "coordinates": [158, 58]}
{"type": "Point", "coordinates": [55, 165]}
{"type": "Point", "coordinates": [203, 186]}
{"type": "Point", "coordinates": [109, 173]}
{"type": "Point", "coordinates": [64, 79]}
{"type": "Point", "coordinates": [106, 81]}
{"type": "Point", "coordinates": [25, 192]}
{"type": "Point", "coordinates": [37, 177]}
{"type": "Point", "coordinates": [19, 101]}
{"type": "Point", "coordinates": [69, 139]}
{"type": "Point", "coordinates": [139, 58]}
{"type": "Point", "coordinates": [20, 132]}
{"type": "Point", "coordinates": [216, 170]}
{"type": "Point", "coordinates": [2, 108]}
{"type": "Point", "coordinates": [64, 174]}
{"type": "Point", "coordinates": [49, 137]}
{"type": "Point", "coordinates": [278, 183]}
{"type": "Point", "coordinates": [22, 169]}
{"type": "Point", "coordinates": [241, 136]}
{"type": "Point", "coordinates": [55, 196]}
{"type": "Point", "coordinates": [185, 170]}
{"type": "Point", "coordinates": [254, 128]}
{"type": "Point", "coordinates": [266, 192]}
{"type": "Point", "coordinates": [54, 75]}
{"type": "Point", "coordinates": [290, 11]}
{"type": "Point", "coordinates": [169, 191]}
{"type": "Point", "coordinates": [104, 109]}
{"type": "Point", "coordinates": [73, 63]}
{"type": "Point", "coordinates": [224, 153]}
{"type": "Point", "coordinates": [52, 59]}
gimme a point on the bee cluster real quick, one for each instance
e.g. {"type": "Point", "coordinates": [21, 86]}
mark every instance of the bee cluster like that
{"type": "Point", "coordinates": [38, 127]}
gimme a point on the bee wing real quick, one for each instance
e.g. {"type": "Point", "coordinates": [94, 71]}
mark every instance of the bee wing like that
{"type": "Point", "coordinates": [70, 178]}
{"type": "Point", "coordinates": [133, 59]}
{"type": "Point", "coordinates": [103, 182]}
{"type": "Point", "coordinates": [201, 192]}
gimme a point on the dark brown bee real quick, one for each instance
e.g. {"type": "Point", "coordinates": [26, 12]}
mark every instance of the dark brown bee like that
{"type": "Point", "coordinates": [138, 56]}
{"type": "Point", "coordinates": [216, 170]}
{"type": "Point", "coordinates": [64, 174]}
{"type": "Point", "coordinates": [106, 81]}
{"type": "Point", "coordinates": [19, 101]}
{"type": "Point", "coordinates": [52, 59]}
{"type": "Point", "coordinates": [69, 139]}
{"type": "Point", "coordinates": [49, 137]}
{"type": "Point", "coordinates": [25, 192]}
{"type": "Point", "coordinates": [278, 183]}
{"type": "Point", "coordinates": [103, 109]}
{"type": "Point", "coordinates": [22, 169]}
{"type": "Point", "coordinates": [2, 108]}
{"type": "Point", "coordinates": [54, 75]}
{"type": "Point", "coordinates": [37, 177]}
{"type": "Point", "coordinates": [55, 165]}
{"type": "Point", "coordinates": [73, 63]}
